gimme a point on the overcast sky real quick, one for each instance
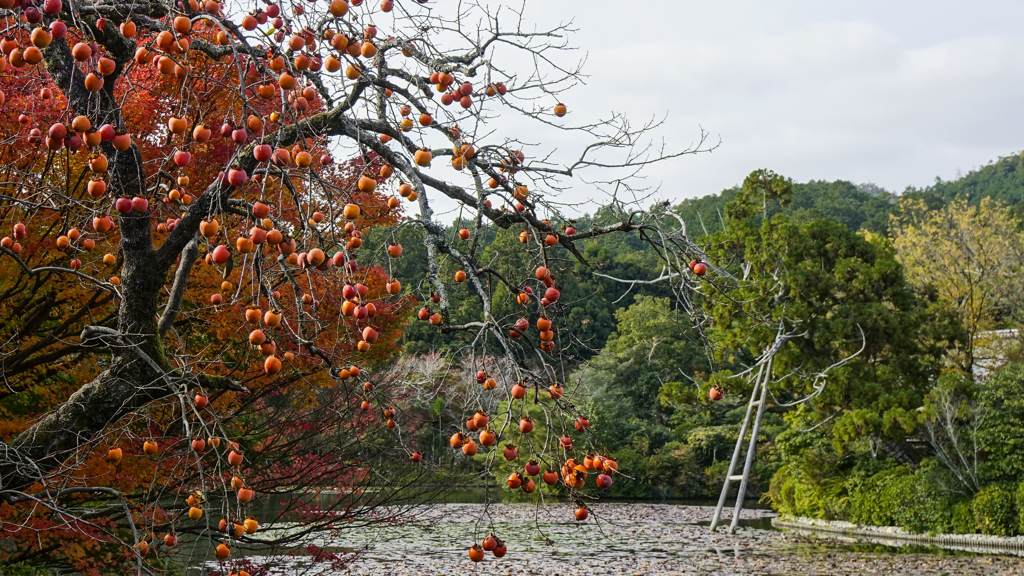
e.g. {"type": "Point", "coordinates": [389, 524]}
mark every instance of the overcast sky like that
{"type": "Point", "coordinates": [894, 93]}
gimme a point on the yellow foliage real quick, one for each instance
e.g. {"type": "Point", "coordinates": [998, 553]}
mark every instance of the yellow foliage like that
{"type": "Point", "coordinates": [972, 256]}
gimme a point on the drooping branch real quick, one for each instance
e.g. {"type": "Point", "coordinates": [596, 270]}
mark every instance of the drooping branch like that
{"type": "Point", "coordinates": [188, 259]}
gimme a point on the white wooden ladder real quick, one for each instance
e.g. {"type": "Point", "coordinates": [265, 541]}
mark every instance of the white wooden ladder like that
{"type": "Point", "coordinates": [757, 399]}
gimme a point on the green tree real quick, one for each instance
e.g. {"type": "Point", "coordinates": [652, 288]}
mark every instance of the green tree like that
{"type": "Point", "coordinates": [653, 346]}
{"type": "Point", "coordinates": [973, 257]}
{"type": "Point", "coordinates": [843, 300]}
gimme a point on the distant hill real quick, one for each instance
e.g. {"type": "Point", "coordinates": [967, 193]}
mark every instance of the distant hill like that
{"type": "Point", "coordinates": [865, 205]}
{"type": "Point", "coordinates": [1002, 180]}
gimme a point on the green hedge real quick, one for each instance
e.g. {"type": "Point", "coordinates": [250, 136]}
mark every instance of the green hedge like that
{"type": "Point", "coordinates": [915, 500]}
{"type": "Point", "coordinates": [912, 500]}
{"type": "Point", "coordinates": [1020, 507]}
{"type": "Point", "coordinates": [995, 509]}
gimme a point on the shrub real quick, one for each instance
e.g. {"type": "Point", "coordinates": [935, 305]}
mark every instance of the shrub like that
{"type": "Point", "coordinates": [995, 509]}
{"type": "Point", "coordinates": [1020, 506]}
{"type": "Point", "coordinates": [795, 493]}
{"type": "Point", "coordinates": [915, 500]}
{"type": "Point", "coordinates": [872, 500]}
{"type": "Point", "coordinates": [962, 520]}
{"type": "Point", "coordinates": [1002, 398]}
{"type": "Point", "coordinates": [919, 504]}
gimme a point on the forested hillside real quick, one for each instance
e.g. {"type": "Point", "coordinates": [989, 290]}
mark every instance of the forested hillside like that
{"type": "Point", "coordinates": [857, 207]}
{"type": "Point", "coordinates": [1001, 180]}
{"type": "Point", "coordinates": [866, 205]}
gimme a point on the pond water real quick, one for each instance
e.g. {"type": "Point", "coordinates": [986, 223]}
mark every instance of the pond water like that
{"type": "Point", "coordinates": [618, 539]}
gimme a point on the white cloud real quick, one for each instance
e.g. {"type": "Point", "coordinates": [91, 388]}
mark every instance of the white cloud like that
{"type": "Point", "coordinates": [894, 93]}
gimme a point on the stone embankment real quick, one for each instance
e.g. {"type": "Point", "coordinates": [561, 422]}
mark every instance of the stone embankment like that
{"type": "Point", "coordinates": [894, 536]}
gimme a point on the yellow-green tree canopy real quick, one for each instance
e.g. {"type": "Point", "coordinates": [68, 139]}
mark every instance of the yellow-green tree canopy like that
{"type": "Point", "coordinates": [972, 256]}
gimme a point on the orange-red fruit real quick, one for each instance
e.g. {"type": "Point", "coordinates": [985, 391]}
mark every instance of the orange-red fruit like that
{"type": "Point", "coordinates": [488, 438]}
{"type": "Point", "coordinates": [457, 440]}
{"type": "Point", "coordinates": [422, 157]}
{"type": "Point", "coordinates": [182, 24]}
{"type": "Point", "coordinates": [81, 52]}
{"type": "Point", "coordinates": [272, 365]}
{"type": "Point", "coordinates": [339, 8]}
{"type": "Point", "coordinates": [518, 392]}
{"type": "Point", "coordinates": [581, 424]}
{"type": "Point", "coordinates": [510, 452]}
{"type": "Point", "coordinates": [480, 419]}
{"type": "Point", "coordinates": [316, 257]}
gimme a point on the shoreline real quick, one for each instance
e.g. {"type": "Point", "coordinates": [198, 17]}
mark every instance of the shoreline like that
{"type": "Point", "coordinates": [895, 536]}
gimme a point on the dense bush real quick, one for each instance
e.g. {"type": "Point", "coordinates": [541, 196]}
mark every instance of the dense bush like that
{"type": "Point", "coordinates": [882, 493]}
{"type": "Point", "coordinates": [962, 519]}
{"type": "Point", "coordinates": [995, 509]}
{"type": "Point", "coordinates": [873, 492]}
{"type": "Point", "coordinates": [916, 501]}
{"type": "Point", "coordinates": [1002, 402]}
{"type": "Point", "coordinates": [1020, 507]}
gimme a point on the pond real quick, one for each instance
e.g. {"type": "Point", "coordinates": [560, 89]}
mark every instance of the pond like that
{"type": "Point", "coordinates": [620, 538]}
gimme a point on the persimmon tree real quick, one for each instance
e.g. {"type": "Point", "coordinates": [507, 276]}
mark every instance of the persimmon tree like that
{"type": "Point", "coordinates": [172, 171]}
